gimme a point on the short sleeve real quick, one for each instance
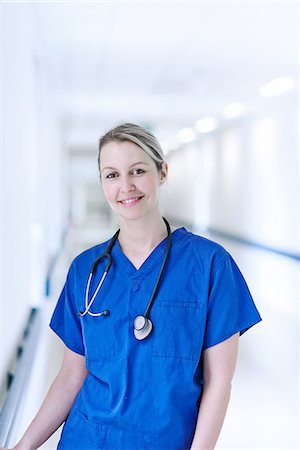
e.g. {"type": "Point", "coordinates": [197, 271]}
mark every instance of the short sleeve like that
{"type": "Point", "coordinates": [65, 321]}
{"type": "Point", "coordinates": [231, 308]}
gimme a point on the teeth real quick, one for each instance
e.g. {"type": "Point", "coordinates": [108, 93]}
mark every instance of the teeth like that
{"type": "Point", "coordinates": [130, 200]}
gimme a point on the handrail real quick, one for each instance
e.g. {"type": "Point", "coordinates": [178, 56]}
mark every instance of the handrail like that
{"type": "Point", "coordinates": [253, 243]}
{"type": "Point", "coordinates": [20, 379]}
{"type": "Point", "coordinates": [236, 238]}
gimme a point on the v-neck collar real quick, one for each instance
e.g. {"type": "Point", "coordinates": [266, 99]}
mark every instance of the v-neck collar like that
{"type": "Point", "coordinates": [150, 262]}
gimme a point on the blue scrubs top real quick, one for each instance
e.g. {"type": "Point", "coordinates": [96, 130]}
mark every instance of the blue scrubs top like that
{"type": "Point", "coordinates": [146, 394]}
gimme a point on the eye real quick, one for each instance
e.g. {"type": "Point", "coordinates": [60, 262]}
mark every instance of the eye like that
{"type": "Point", "coordinates": [111, 175]}
{"type": "Point", "coordinates": [138, 171]}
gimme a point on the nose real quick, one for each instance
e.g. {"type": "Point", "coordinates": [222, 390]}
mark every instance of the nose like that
{"type": "Point", "coordinates": [127, 185]}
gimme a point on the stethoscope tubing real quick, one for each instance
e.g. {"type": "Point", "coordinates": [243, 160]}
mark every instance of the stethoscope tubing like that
{"type": "Point", "coordinates": [155, 289]}
{"type": "Point", "coordinates": [88, 304]}
{"type": "Point", "coordinates": [142, 323]}
{"type": "Point", "coordinates": [106, 254]}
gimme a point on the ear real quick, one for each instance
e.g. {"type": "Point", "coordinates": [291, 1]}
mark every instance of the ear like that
{"type": "Point", "coordinates": [163, 172]}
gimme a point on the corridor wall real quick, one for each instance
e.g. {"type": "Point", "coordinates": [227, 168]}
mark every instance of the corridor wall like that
{"type": "Point", "coordinates": [243, 178]}
{"type": "Point", "coordinates": [32, 216]}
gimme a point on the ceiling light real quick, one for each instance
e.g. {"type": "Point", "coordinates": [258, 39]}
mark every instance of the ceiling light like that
{"type": "Point", "coordinates": [234, 110]}
{"type": "Point", "coordinates": [278, 86]}
{"type": "Point", "coordinates": [206, 125]}
{"type": "Point", "coordinates": [186, 135]}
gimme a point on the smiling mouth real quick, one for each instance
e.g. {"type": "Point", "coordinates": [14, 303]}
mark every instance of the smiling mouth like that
{"type": "Point", "coordinates": [130, 201]}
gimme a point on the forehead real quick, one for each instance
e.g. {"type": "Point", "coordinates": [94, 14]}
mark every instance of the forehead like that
{"type": "Point", "coordinates": [115, 153]}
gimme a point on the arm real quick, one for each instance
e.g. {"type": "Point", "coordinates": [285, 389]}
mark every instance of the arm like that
{"type": "Point", "coordinates": [218, 369]}
{"type": "Point", "coordinates": [57, 403]}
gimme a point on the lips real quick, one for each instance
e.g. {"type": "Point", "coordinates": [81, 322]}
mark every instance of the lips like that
{"type": "Point", "coordinates": [130, 201]}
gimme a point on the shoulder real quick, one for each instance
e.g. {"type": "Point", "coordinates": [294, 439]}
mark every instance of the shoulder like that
{"type": "Point", "coordinates": [204, 250]}
{"type": "Point", "coordinates": [87, 257]}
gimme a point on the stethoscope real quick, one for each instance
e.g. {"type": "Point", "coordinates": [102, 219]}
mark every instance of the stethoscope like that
{"type": "Point", "coordinates": [142, 325]}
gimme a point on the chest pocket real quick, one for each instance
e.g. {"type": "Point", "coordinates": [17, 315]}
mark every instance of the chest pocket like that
{"type": "Point", "coordinates": [177, 329]}
{"type": "Point", "coordinates": [99, 337]}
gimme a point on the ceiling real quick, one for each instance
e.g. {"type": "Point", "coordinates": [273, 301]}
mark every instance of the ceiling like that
{"type": "Point", "coordinates": [163, 63]}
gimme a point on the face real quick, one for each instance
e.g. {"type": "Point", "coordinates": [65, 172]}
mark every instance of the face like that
{"type": "Point", "coordinates": [130, 179]}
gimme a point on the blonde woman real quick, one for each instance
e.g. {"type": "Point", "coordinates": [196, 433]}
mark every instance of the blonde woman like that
{"type": "Point", "coordinates": [152, 336]}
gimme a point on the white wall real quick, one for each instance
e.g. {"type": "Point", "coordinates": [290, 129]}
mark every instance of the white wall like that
{"type": "Point", "coordinates": [178, 199]}
{"type": "Point", "coordinates": [32, 210]}
{"type": "Point", "coordinates": [245, 180]}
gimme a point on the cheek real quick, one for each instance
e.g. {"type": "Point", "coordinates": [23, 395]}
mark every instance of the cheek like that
{"type": "Point", "coordinates": [150, 184]}
{"type": "Point", "coordinates": [108, 191]}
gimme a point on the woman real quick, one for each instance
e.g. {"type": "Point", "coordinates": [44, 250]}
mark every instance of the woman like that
{"type": "Point", "coordinates": [151, 346]}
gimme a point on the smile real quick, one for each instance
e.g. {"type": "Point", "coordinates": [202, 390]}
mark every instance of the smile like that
{"type": "Point", "coordinates": [130, 201]}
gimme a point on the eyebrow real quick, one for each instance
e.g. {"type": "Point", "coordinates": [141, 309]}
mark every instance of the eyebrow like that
{"type": "Point", "coordinates": [132, 165]}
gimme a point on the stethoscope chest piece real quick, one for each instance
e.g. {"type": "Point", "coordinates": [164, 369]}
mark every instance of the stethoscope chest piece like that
{"type": "Point", "coordinates": [142, 324]}
{"type": "Point", "coordinates": [142, 327]}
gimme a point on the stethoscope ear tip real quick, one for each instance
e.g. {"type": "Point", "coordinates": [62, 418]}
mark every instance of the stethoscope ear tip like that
{"type": "Point", "coordinates": [106, 312]}
{"type": "Point", "coordinates": [142, 324]}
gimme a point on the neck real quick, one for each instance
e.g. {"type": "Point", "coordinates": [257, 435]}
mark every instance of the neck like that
{"type": "Point", "coordinates": [142, 235]}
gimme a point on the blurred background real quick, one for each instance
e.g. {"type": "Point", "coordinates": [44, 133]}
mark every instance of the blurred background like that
{"type": "Point", "coordinates": [218, 84]}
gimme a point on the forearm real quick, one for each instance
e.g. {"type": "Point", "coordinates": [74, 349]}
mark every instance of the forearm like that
{"type": "Point", "coordinates": [52, 413]}
{"type": "Point", "coordinates": [211, 416]}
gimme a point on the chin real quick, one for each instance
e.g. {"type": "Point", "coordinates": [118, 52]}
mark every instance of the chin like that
{"type": "Point", "coordinates": [133, 215]}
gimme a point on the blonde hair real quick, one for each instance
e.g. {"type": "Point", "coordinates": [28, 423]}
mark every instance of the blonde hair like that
{"type": "Point", "coordinates": [137, 134]}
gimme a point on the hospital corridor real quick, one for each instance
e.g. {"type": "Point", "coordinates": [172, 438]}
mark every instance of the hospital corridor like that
{"type": "Point", "coordinates": [218, 84]}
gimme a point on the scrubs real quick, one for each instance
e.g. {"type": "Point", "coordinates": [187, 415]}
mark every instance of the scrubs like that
{"type": "Point", "coordinates": [146, 394]}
